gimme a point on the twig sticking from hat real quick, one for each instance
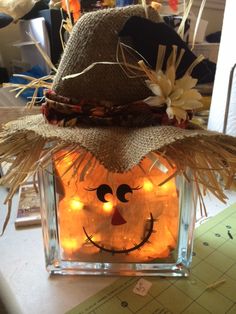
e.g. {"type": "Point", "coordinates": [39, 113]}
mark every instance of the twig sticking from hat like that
{"type": "Point", "coordinates": [67, 2]}
{"type": "Point", "coordinates": [35, 83]}
{"type": "Point", "coordinates": [184, 18]}
{"type": "Point", "coordinates": [132, 70]}
{"type": "Point", "coordinates": [198, 22]}
{"type": "Point", "coordinates": [144, 4]}
{"type": "Point", "coordinates": [43, 53]}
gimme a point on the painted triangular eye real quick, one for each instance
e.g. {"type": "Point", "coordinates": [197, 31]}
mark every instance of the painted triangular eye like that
{"type": "Point", "coordinates": [122, 190]}
{"type": "Point", "coordinates": [102, 190]}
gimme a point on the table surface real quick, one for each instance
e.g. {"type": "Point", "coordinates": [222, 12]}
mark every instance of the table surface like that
{"type": "Point", "coordinates": [23, 268]}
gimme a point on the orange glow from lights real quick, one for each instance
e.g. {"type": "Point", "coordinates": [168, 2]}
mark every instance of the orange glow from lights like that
{"type": "Point", "coordinates": [168, 186]}
{"type": "Point", "coordinates": [67, 161]}
{"type": "Point", "coordinates": [69, 244]}
{"type": "Point", "coordinates": [107, 207]}
{"type": "Point", "coordinates": [75, 195]}
{"type": "Point", "coordinates": [76, 204]}
{"type": "Point", "coordinates": [147, 186]}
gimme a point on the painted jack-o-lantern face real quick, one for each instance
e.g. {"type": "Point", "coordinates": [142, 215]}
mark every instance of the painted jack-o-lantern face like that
{"type": "Point", "coordinates": [123, 189]}
{"type": "Point", "coordinates": [116, 216]}
{"type": "Point", "coordinates": [135, 213]}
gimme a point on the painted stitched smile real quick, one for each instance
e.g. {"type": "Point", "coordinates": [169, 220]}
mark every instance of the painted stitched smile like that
{"type": "Point", "coordinates": [136, 247]}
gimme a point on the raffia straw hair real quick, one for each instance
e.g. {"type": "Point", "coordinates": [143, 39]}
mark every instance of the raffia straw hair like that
{"type": "Point", "coordinates": [42, 82]}
{"type": "Point", "coordinates": [35, 83]}
{"type": "Point", "coordinates": [28, 150]}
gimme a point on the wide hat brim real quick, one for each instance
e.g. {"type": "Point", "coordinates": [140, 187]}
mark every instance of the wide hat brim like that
{"type": "Point", "coordinates": [29, 144]}
{"type": "Point", "coordinates": [119, 149]}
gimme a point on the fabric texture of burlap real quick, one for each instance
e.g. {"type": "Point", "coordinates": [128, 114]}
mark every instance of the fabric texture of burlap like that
{"type": "Point", "coordinates": [95, 39]}
{"type": "Point", "coordinates": [117, 148]}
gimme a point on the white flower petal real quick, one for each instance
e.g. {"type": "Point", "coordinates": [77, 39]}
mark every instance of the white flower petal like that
{"type": "Point", "coordinates": [191, 94]}
{"type": "Point", "coordinates": [170, 74]}
{"type": "Point", "coordinates": [179, 103]}
{"type": "Point", "coordinates": [192, 104]}
{"type": "Point", "coordinates": [178, 113]}
{"type": "Point", "coordinates": [168, 102]}
{"type": "Point", "coordinates": [170, 112]}
{"type": "Point", "coordinates": [154, 88]}
{"type": "Point", "coordinates": [186, 82]}
{"type": "Point", "coordinates": [165, 85]}
{"type": "Point", "coordinates": [176, 94]}
{"type": "Point", "coordinates": [155, 101]}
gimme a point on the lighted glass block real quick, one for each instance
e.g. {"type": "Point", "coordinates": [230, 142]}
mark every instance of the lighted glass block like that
{"type": "Point", "coordinates": [98, 222]}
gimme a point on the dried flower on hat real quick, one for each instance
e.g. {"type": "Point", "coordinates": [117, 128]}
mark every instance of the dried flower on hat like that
{"type": "Point", "coordinates": [178, 96]}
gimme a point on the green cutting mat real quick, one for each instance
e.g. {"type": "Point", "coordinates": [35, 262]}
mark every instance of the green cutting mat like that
{"type": "Point", "coordinates": [214, 260]}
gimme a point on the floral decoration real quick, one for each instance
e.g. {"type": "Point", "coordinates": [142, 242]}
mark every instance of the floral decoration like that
{"type": "Point", "coordinates": [178, 95]}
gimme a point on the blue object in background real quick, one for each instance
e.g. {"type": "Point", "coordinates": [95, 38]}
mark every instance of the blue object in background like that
{"type": "Point", "coordinates": [36, 72]}
{"type": "Point", "coordinates": [123, 3]}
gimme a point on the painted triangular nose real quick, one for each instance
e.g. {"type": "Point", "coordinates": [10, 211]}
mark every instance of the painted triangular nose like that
{"type": "Point", "coordinates": [117, 219]}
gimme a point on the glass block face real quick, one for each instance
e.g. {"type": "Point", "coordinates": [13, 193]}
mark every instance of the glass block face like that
{"type": "Point", "coordinates": [96, 221]}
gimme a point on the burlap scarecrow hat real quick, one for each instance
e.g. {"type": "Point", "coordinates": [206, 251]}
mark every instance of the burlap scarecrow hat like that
{"type": "Point", "coordinates": [110, 99]}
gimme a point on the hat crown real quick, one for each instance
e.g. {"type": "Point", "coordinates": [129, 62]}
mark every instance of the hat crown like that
{"type": "Point", "coordinates": [95, 39]}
